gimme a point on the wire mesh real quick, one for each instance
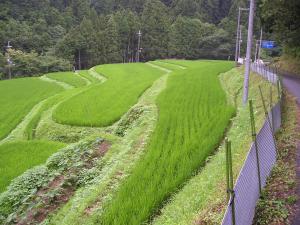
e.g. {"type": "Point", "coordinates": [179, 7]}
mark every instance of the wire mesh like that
{"type": "Point", "coordinates": [266, 72]}
{"type": "Point", "coordinates": [247, 185]}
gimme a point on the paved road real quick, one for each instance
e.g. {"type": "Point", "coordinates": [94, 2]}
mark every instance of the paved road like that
{"type": "Point", "coordinates": [293, 86]}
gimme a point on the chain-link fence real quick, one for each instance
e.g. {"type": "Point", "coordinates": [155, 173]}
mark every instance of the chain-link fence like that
{"type": "Point", "coordinates": [246, 190]}
{"type": "Point", "coordinates": [257, 166]}
{"type": "Point", "coordinates": [267, 72]}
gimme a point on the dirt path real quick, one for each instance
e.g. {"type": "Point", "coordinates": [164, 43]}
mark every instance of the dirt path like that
{"type": "Point", "coordinates": [293, 86]}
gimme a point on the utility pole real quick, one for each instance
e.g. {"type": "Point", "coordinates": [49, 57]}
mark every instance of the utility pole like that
{"type": "Point", "coordinates": [256, 51]}
{"type": "Point", "coordinates": [79, 59]}
{"type": "Point", "coordinates": [238, 33]}
{"type": "Point", "coordinates": [240, 43]}
{"type": "Point", "coordinates": [249, 48]}
{"type": "Point", "coordinates": [9, 62]}
{"type": "Point", "coordinates": [139, 46]}
{"type": "Point", "coordinates": [260, 42]}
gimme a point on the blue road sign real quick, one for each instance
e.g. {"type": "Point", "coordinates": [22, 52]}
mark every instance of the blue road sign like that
{"type": "Point", "coordinates": [268, 44]}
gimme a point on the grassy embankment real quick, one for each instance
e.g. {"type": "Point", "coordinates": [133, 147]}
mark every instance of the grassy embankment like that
{"type": "Point", "coordinates": [277, 203]}
{"type": "Point", "coordinates": [193, 114]}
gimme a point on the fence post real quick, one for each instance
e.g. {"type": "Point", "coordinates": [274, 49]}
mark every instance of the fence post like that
{"type": "Point", "coordinates": [227, 169]}
{"type": "Point", "coordinates": [253, 131]}
{"type": "Point", "coordinates": [229, 174]}
{"type": "Point", "coordinates": [271, 109]}
{"type": "Point", "coordinates": [267, 116]}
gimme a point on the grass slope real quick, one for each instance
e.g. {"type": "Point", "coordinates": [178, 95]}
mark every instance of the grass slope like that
{"type": "Point", "coordinates": [67, 77]}
{"type": "Point", "coordinates": [18, 98]}
{"type": "Point", "coordinates": [103, 104]}
{"type": "Point", "coordinates": [193, 114]}
{"type": "Point", "coordinates": [17, 157]}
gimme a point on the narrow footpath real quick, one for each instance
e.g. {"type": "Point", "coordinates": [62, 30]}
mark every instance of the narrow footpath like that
{"type": "Point", "coordinates": [292, 84]}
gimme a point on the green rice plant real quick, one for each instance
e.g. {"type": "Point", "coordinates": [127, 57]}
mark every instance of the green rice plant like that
{"type": "Point", "coordinates": [87, 75]}
{"type": "Point", "coordinates": [104, 104]}
{"type": "Point", "coordinates": [18, 96]}
{"type": "Point", "coordinates": [67, 77]}
{"type": "Point", "coordinates": [193, 115]}
{"type": "Point", "coordinates": [17, 157]}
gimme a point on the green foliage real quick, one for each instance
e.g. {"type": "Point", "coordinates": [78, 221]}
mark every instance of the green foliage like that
{"type": "Point", "coordinates": [105, 103]}
{"type": "Point", "coordinates": [184, 136]}
{"type": "Point", "coordinates": [67, 77]}
{"type": "Point", "coordinates": [26, 154]}
{"type": "Point", "coordinates": [282, 19]}
{"type": "Point", "coordinates": [18, 98]}
{"type": "Point", "coordinates": [156, 24]}
{"type": "Point", "coordinates": [29, 64]}
{"type": "Point", "coordinates": [22, 190]}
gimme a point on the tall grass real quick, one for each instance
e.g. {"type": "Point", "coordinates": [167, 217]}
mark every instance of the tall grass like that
{"type": "Point", "coordinates": [103, 104]}
{"type": "Point", "coordinates": [193, 115]}
{"type": "Point", "coordinates": [67, 77]}
{"type": "Point", "coordinates": [17, 157]}
{"type": "Point", "coordinates": [18, 96]}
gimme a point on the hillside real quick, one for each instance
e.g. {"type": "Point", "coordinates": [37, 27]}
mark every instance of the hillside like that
{"type": "Point", "coordinates": [87, 33]}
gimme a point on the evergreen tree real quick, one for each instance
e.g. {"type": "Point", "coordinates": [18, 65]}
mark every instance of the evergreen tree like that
{"type": "Point", "coordinates": [155, 29]}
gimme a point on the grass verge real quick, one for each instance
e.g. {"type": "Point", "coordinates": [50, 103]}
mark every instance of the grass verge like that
{"type": "Point", "coordinates": [277, 203]}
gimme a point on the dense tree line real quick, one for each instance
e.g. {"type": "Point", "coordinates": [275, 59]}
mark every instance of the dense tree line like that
{"type": "Point", "coordinates": [83, 33]}
{"type": "Point", "coordinates": [281, 18]}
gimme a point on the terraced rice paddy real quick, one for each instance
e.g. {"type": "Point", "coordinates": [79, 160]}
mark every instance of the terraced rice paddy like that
{"type": "Point", "coordinates": [68, 77]}
{"type": "Point", "coordinates": [17, 157]}
{"type": "Point", "coordinates": [104, 104]}
{"type": "Point", "coordinates": [17, 99]}
{"type": "Point", "coordinates": [193, 114]}
{"type": "Point", "coordinates": [189, 120]}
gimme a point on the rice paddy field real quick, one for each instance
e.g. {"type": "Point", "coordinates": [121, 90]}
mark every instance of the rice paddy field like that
{"type": "Point", "coordinates": [18, 97]}
{"type": "Point", "coordinates": [104, 104]}
{"type": "Point", "coordinates": [70, 78]}
{"type": "Point", "coordinates": [193, 114]}
{"type": "Point", "coordinates": [122, 145]}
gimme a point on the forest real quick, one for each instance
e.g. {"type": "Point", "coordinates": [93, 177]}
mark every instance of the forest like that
{"type": "Point", "coordinates": [57, 35]}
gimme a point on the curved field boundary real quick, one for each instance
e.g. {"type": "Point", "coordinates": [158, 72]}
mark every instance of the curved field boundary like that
{"type": "Point", "coordinates": [166, 62]}
{"type": "Point", "coordinates": [62, 84]}
{"type": "Point", "coordinates": [193, 115]}
{"type": "Point", "coordinates": [97, 75]}
{"type": "Point", "coordinates": [19, 131]}
{"type": "Point", "coordinates": [24, 94]}
{"type": "Point", "coordinates": [87, 81]}
{"type": "Point", "coordinates": [70, 78]}
{"type": "Point", "coordinates": [104, 104]}
{"type": "Point", "coordinates": [86, 74]}
{"type": "Point", "coordinates": [117, 163]}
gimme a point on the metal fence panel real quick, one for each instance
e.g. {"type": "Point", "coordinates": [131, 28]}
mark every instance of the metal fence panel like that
{"type": "Point", "coordinates": [247, 187]}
